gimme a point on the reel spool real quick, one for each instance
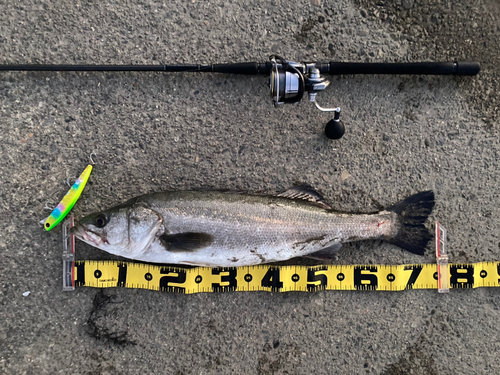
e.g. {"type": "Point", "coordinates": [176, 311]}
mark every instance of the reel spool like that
{"type": "Point", "coordinates": [289, 81]}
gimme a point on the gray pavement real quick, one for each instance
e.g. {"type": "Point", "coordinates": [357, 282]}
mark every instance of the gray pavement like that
{"type": "Point", "coordinates": [155, 131]}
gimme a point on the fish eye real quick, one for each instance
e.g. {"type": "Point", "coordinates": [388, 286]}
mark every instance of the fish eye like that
{"type": "Point", "coordinates": [100, 221]}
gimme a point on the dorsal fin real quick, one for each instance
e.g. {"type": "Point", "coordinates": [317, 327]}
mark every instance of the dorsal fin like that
{"type": "Point", "coordinates": [307, 193]}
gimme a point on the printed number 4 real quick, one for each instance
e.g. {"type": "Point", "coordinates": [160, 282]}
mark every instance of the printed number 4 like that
{"type": "Point", "coordinates": [272, 279]}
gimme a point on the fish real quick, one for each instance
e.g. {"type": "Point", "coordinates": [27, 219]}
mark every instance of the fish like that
{"type": "Point", "coordinates": [232, 229]}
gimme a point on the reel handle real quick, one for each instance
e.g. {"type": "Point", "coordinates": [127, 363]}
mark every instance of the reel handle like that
{"type": "Point", "coordinates": [465, 68]}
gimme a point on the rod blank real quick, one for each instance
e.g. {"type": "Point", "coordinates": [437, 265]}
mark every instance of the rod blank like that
{"type": "Point", "coordinates": [333, 68]}
{"type": "Point", "coordinates": [237, 68]}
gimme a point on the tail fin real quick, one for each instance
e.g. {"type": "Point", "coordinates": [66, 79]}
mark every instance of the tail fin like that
{"type": "Point", "coordinates": [412, 213]}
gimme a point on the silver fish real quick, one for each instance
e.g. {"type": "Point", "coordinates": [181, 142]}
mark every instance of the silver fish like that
{"type": "Point", "coordinates": [221, 229]}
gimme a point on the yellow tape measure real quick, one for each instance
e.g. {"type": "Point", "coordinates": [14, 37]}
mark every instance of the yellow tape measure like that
{"type": "Point", "coordinates": [108, 274]}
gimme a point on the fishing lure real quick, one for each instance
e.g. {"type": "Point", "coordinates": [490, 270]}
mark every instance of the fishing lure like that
{"type": "Point", "coordinates": [69, 200]}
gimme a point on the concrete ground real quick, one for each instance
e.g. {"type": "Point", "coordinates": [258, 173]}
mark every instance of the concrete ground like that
{"type": "Point", "coordinates": [156, 131]}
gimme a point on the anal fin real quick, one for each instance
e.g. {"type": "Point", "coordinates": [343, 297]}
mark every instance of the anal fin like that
{"type": "Point", "coordinates": [325, 254]}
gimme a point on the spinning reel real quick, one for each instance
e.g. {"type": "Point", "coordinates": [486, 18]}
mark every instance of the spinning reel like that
{"type": "Point", "coordinates": [289, 81]}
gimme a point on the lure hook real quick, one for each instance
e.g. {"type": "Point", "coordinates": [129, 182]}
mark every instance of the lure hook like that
{"type": "Point", "coordinates": [92, 160]}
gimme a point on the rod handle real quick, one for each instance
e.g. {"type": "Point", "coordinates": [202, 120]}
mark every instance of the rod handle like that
{"type": "Point", "coordinates": [432, 68]}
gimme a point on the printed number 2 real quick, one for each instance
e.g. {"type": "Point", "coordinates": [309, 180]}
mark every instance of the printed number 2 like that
{"type": "Point", "coordinates": [179, 279]}
{"type": "Point", "coordinates": [272, 279]}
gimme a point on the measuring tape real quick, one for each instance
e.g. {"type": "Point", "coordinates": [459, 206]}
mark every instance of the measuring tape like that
{"type": "Point", "coordinates": [112, 274]}
{"type": "Point", "coordinates": [271, 278]}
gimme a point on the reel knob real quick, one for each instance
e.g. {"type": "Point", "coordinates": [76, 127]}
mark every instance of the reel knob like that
{"type": "Point", "coordinates": [335, 129]}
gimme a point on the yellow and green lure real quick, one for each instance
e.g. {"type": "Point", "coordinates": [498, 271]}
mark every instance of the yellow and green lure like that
{"type": "Point", "coordinates": [69, 200]}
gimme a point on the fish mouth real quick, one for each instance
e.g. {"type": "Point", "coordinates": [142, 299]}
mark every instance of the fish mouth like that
{"type": "Point", "coordinates": [86, 235]}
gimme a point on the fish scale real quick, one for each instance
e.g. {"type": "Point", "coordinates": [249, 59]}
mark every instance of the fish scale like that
{"type": "Point", "coordinates": [273, 229]}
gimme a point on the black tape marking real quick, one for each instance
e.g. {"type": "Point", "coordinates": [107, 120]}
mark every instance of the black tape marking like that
{"type": "Point", "coordinates": [359, 277]}
{"type": "Point", "coordinates": [180, 278]}
{"type": "Point", "coordinates": [312, 277]}
{"type": "Point", "coordinates": [122, 275]}
{"type": "Point", "coordinates": [272, 279]}
{"type": "Point", "coordinates": [80, 274]}
{"type": "Point", "coordinates": [231, 279]}
{"type": "Point", "coordinates": [415, 272]}
{"type": "Point", "coordinates": [456, 275]}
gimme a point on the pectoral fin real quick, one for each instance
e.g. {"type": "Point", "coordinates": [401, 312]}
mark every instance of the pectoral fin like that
{"type": "Point", "coordinates": [185, 242]}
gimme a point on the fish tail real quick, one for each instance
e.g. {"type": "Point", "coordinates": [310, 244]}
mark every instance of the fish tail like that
{"type": "Point", "coordinates": [412, 235]}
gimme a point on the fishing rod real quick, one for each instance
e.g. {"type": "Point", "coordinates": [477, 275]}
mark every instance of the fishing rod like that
{"type": "Point", "coordinates": [289, 81]}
